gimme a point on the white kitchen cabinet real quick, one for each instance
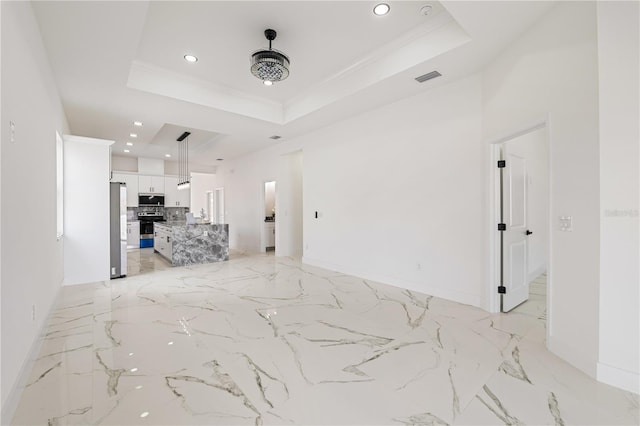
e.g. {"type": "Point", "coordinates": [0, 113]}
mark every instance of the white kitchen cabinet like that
{"type": "Point", "coordinates": [270, 234]}
{"type": "Point", "coordinates": [148, 184]}
{"type": "Point", "coordinates": [132, 186]}
{"type": "Point", "coordinates": [174, 197]}
{"type": "Point", "coordinates": [133, 234]}
{"type": "Point", "coordinates": [162, 241]}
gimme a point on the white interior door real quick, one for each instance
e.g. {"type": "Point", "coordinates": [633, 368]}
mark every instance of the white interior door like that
{"type": "Point", "coordinates": [514, 209]}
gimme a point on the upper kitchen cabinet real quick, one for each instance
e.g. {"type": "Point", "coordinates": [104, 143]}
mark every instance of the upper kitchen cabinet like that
{"type": "Point", "coordinates": [150, 184]}
{"type": "Point", "coordinates": [132, 186]}
{"type": "Point", "coordinates": [174, 197]}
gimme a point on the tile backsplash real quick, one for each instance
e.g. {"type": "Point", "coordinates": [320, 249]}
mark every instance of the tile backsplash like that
{"type": "Point", "coordinates": [175, 213]}
{"type": "Point", "coordinates": [169, 213]}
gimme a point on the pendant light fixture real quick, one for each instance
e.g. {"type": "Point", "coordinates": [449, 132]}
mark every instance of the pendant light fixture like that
{"type": "Point", "coordinates": [183, 161]}
{"type": "Point", "coordinates": [270, 65]}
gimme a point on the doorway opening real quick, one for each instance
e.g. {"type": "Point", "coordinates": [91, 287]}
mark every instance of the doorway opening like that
{"type": "Point", "coordinates": [215, 206]}
{"type": "Point", "coordinates": [269, 227]}
{"type": "Point", "coordinates": [520, 269]}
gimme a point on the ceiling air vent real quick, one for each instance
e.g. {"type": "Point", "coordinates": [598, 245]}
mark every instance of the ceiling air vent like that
{"type": "Point", "coordinates": [275, 137]}
{"type": "Point", "coordinates": [428, 76]}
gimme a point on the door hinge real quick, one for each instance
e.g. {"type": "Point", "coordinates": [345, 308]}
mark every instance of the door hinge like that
{"type": "Point", "coordinates": [502, 227]}
{"type": "Point", "coordinates": [502, 289]}
{"type": "Point", "coordinates": [502, 164]}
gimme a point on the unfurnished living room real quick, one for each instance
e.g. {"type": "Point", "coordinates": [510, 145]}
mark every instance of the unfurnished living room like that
{"type": "Point", "coordinates": [320, 212]}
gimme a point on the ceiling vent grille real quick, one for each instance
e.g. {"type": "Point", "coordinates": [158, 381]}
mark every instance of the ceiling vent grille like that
{"type": "Point", "coordinates": [428, 76]}
{"type": "Point", "coordinates": [275, 137]}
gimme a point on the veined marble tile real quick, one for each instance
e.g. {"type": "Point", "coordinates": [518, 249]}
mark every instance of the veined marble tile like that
{"type": "Point", "coordinates": [344, 404]}
{"type": "Point", "coordinates": [266, 340]}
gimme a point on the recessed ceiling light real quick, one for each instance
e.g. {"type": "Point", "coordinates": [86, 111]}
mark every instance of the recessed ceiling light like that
{"type": "Point", "coordinates": [267, 82]}
{"type": "Point", "coordinates": [381, 9]}
{"type": "Point", "coordinates": [167, 155]}
{"type": "Point", "coordinates": [129, 143]}
{"type": "Point", "coordinates": [190, 58]}
{"type": "Point", "coordinates": [145, 414]}
{"type": "Point", "coordinates": [126, 150]}
{"type": "Point", "coordinates": [137, 123]}
{"type": "Point", "coordinates": [133, 135]}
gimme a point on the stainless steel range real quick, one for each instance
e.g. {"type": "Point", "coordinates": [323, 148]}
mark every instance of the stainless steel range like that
{"type": "Point", "coordinates": [147, 219]}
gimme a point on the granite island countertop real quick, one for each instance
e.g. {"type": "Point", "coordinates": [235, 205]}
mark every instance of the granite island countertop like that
{"type": "Point", "coordinates": [192, 244]}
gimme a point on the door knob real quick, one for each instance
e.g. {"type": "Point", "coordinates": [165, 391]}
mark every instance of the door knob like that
{"type": "Point", "coordinates": [528, 232]}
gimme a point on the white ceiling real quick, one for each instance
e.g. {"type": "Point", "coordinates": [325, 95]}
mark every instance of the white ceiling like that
{"type": "Point", "coordinates": [116, 62]}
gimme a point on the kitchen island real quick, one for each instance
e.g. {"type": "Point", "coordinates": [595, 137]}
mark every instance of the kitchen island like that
{"type": "Point", "coordinates": [183, 244]}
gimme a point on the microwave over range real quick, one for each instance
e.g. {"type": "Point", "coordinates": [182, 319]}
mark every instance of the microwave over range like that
{"type": "Point", "coordinates": [150, 200]}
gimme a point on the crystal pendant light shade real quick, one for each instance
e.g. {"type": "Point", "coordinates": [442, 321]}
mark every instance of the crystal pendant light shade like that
{"type": "Point", "coordinates": [270, 65]}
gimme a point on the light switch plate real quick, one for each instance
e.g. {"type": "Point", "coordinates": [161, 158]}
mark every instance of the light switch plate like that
{"type": "Point", "coordinates": [566, 223]}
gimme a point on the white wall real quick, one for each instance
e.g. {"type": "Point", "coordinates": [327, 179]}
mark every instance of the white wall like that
{"type": "Point", "coordinates": [201, 183]}
{"type": "Point", "coordinates": [243, 181]}
{"type": "Point", "coordinates": [31, 257]}
{"type": "Point", "coordinates": [173, 168]}
{"type": "Point", "coordinates": [289, 227]}
{"type": "Point", "coordinates": [427, 236]}
{"type": "Point", "coordinates": [551, 72]}
{"type": "Point", "coordinates": [150, 166]}
{"type": "Point", "coordinates": [399, 193]}
{"type": "Point", "coordinates": [124, 164]}
{"type": "Point", "coordinates": [618, 43]}
{"type": "Point", "coordinates": [86, 210]}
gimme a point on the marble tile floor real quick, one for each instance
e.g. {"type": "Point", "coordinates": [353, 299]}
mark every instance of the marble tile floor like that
{"type": "Point", "coordinates": [145, 260]}
{"type": "Point", "coordinates": [267, 340]}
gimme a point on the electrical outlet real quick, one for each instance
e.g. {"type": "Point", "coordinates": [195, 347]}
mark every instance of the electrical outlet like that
{"type": "Point", "coordinates": [566, 223]}
{"type": "Point", "coordinates": [33, 312]}
{"type": "Point", "coordinates": [205, 233]}
{"type": "Point", "coordinates": [419, 266]}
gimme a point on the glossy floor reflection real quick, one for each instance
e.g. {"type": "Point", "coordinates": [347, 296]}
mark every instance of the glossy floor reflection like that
{"type": "Point", "coordinates": [145, 260]}
{"type": "Point", "coordinates": [266, 340]}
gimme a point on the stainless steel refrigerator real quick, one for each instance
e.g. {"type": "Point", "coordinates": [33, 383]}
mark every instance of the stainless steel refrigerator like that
{"type": "Point", "coordinates": [118, 236]}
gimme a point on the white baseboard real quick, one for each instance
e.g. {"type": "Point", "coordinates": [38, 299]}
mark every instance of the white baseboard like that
{"type": "Point", "coordinates": [623, 379]}
{"type": "Point", "coordinates": [441, 292]}
{"type": "Point", "coordinates": [572, 356]}
{"type": "Point", "coordinates": [11, 404]}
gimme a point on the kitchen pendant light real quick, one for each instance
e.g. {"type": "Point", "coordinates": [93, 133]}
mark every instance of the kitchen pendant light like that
{"type": "Point", "coordinates": [270, 65]}
{"type": "Point", "coordinates": [183, 161]}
